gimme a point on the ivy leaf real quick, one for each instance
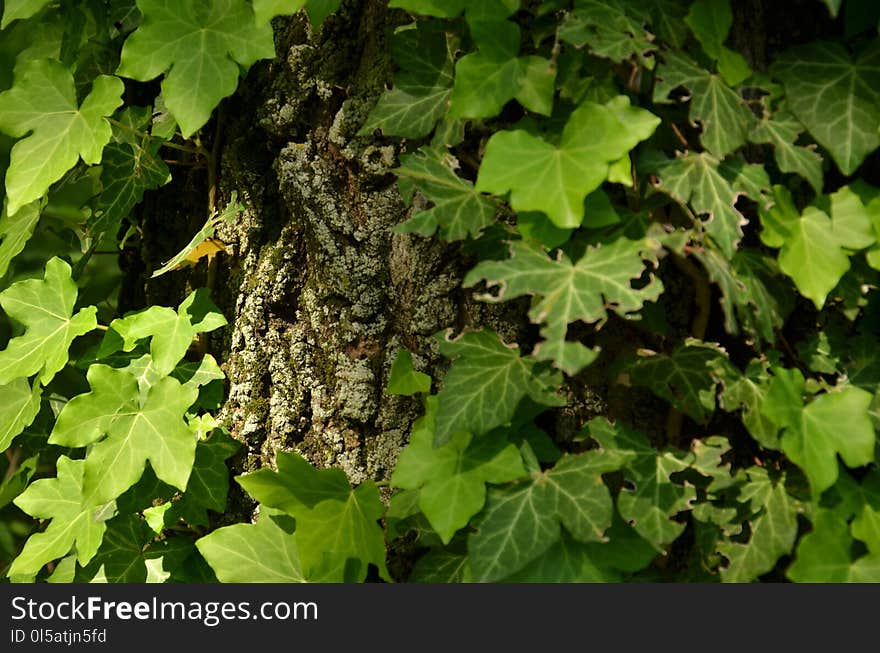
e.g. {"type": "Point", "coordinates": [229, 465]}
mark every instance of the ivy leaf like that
{"type": "Point", "coordinates": [334, 523]}
{"type": "Point", "coordinates": [453, 478]}
{"type": "Point", "coordinates": [125, 555]}
{"type": "Point", "coordinates": [441, 566]}
{"type": "Point", "coordinates": [824, 555]}
{"type": "Point", "coordinates": [518, 526]}
{"type": "Point", "coordinates": [208, 483]}
{"type": "Point", "coordinates": [747, 391]}
{"type": "Point", "coordinates": [200, 47]}
{"type": "Point", "coordinates": [751, 295]}
{"type": "Point", "coordinates": [15, 483]}
{"type": "Point", "coordinates": [19, 405]}
{"type": "Point", "coordinates": [345, 529]}
{"type": "Point", "coordinates": [602, 279]}
{"type": "Point", "coordinates": [45, 307]}
{"type": "Point", "coordinates": [782, 131]}
{"type": "Point", "coordinates": [485, 384]}
{"type": "Point", "coordinates": [403, 379]}
{"type": "Point", "coordinates": [42, 108]}
{"type": "Point", "coordinates": [567, 561]}
{"type": "Point", "coordinates": [296, 485]}
{"type": "Point", "coordinates": [773, 529]}
{"type": "Point", "coordinates": [21, 9]}
{"type": "Point", "coordinates": [486, 81]}
{"type": "Point", "coordinates": [699, 180]}
{"type": "Point", "coordinates": [721, 112]}
{"type": "Point", "coordinates": [171, 331]}
{"type": "Point", "coordinates": [852, 220]}
{"type": "Point", "coordinates": [610, 31]}
{"type": "Point", "coordinates": [136, 432]}
{"type": "Point", "coordinates": [710, 21]}
{"type": "Point", "coordinates": [811, 253]}
{"type": "Point", "coordinates": [75, 520]}
{"type": "Point", "coordinates": [555, 179]}
{"type": "Point", "coordinates": [683, 378]}
{"type": "Point", "coordinates": [128, 169]}
{"type": "Point", "coordinates": [422, 86]}
{"type": "Point", "coordinates": [253, 553]}
{"type": "Point", "coordinates": [650, 497]}
{"type": "Point", "coordinates": [459, 211]}
{"type": "Point", "coordinates": [522, 521]}
{"type": "Point", "coordinates": [15, 231]}
{"type": "Point", "coordinates": [835, 422]}
{"type": "Point", "coordinates": [837, 98]}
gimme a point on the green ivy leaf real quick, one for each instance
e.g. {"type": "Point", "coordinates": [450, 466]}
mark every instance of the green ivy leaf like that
{"type": "Point", "coordinates": [403, 379]}
{"type": "Point", "coordinates": [485, 384]}
{"type": "Point", "coordinates": [125, 555]}
{"type": "Point", "coordinates": [611, 29]}
{"type": "Point", "coordinates": [15, 231]}
{"type": "Point", "coordinates": [684, 378]}
{"type": "Point", "coordinates": [441, 566]}
{"type": "Point", "coordinates": [253, 553]}
{"type": "Point", "coordinates": [453, 478]}
{"type": "Point", "coordinates": [710, 21]}
{"type": "Point", "coordinates": [773, 528]}
{"type": "Point", "coordinates": [45, 307]}
{"type": "Point", "coordinates": [720, 111]}
{"type": "Point", "coordinates": [459, 211]}
{"type": "Point", "coordinates": [824, 555]}
{"type": "Point", "coordinates": [555, 179]}
{"type": "Point", "coordinates": [782, 131]}
{"type": "Point", "coordinates": [422, 86]}
{"type": "Point", "coordinates": [751, 295]}
{"type": "Point", "coordinates": [130, 166]}
{"type": "Point", "coordinates": [171, 331]}
{"type": "Point", "coordinates": [334, 522]}
{"type": "Point", "coordinates": [136, 432]}
{"type": "Point", "coordinates": [522, 521]}
{"type": "Point", "coordinates": [296, 485]}
{"type": "Point", "coordinates": [486, 81]}
{"type": "Point", "coordinates": [567, 561]}
{"type": "Point", "coordinates": [837, 98]}
{"type": "Point", "coordinates": [811, 253]}
{"type": "Point", "coordinates": [21, 9]}
{"type": "Point", "coordinates": [42, 108]}
{"type": "Point", "coordinates": [834, 422]}
{"type": "Point", "coordinates": [747, 391]}
{"type": "Point", "coordinates": [208, 483]}
{"type": "Point", "coordinates": [19, 405]}
{"type": "Point", "coordinates": [699, 180]}
{"type": "Point", "coordinates": [651, 498]}
{"type": "Point", "coordinates": [76, 521]}
{"type": "Point", "coordinates": [346, 529]}
{"type": "Point", "coordinates": [200, 47]}
{"type": "Point", "coordinates": [567, 292]}
{"type": "Point", "coordinates": [852, 221]}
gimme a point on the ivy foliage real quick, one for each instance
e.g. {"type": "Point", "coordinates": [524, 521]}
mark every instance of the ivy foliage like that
{"type": "Point", "coordinates": [696, 229]}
